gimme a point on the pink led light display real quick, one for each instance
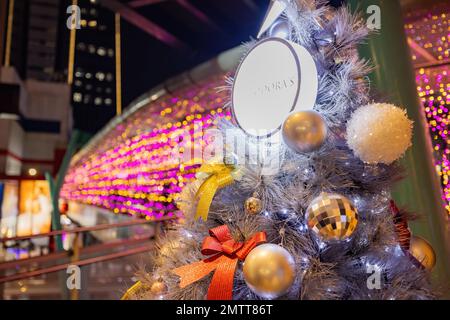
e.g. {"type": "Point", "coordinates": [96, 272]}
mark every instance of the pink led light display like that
{"type": "Point", "coordinates": [431, 31]}
{"type": "Point", "coordinates": [434, 91]}
{"type": "Point", "coordinates": [140, 166]}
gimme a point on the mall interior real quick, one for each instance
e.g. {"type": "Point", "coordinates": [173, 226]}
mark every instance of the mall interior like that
{"type": "Point", "coordinates": [91, 92]}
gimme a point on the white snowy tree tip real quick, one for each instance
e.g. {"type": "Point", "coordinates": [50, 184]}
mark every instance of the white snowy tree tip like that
{"type": "Point", "coordinates": [379, 133]}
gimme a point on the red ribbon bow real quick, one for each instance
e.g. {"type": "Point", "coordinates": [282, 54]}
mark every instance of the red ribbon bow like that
{"type": "Point", "coordinates": [227, 253]}
{"type": "Point", "coordinates": [401, 227]}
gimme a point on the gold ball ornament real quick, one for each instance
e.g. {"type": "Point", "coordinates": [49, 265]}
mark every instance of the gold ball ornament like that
{"type": "Point", "coordinates": [304, 131]}
{"type": "Point", "coordinates": [269, 271]}
{"type": "Point", "coordinates": [423, 252]}
{"type": "Point", "coordinates": [253, 205]}
{"type": "Point", "coordinates": [158, 287]}
{"type": "Point", "coordinates": [332, 216]}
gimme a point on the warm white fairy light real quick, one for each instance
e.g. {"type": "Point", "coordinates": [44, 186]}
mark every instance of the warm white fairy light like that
{"type": "Point", "coordinates": [188, 234]}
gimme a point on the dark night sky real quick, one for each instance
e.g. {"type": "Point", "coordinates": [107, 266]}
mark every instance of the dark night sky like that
{"type": "Point", "coordinates": [148, 62]}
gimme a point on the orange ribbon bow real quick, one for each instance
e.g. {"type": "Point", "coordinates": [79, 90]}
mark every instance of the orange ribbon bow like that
{"type": "Point", "coordinates": [401, 227]}
{"type": "Point", "coordinates": [227, 253]}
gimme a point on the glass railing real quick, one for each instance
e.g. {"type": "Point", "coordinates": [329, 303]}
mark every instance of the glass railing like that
{"type": "Point", "coordinates": [97, 262]}
{"type": "Point", "coordinates": [100, 280]}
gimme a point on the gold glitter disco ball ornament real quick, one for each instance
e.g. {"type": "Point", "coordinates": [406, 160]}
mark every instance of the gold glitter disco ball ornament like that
{"type": "Point", "coordinates": [423, 252]}
{"type": "Point", "coordinates": [269, 271]}
{"type": "Point", "coordinates": [304, 131]}
{"type": "Point", "coordinates": [332, 216]}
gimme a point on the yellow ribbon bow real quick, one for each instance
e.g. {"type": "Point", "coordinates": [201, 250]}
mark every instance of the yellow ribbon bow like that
{"type": "Point", "coordinates": [132, 291]}
{"type": "Point", "coordinates": [219, 176]}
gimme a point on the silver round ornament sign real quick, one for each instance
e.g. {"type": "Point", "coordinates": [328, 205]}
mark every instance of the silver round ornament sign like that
{"type": "Point", "coordinates": [275, 78]}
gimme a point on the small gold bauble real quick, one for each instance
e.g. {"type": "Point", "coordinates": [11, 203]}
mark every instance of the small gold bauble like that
{"type": "Point", "coordinates": [169, 247]}
{"type": "Point", "coordinates": [158, 287]}
{"type": "Point", "coordinates": [269, 271]}
{"type": "Point", "coordinates": [253, 205]}
{"type": "Point", "coordinates": [304, 131]}
{"type": "Point", "coordinates": [423, 252]}
{"type": "Point", "coordinates": [332, 216]}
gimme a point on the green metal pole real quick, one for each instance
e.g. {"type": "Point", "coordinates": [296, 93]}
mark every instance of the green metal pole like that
{"type": "Point", "coordinates": [56, 223]}
{"type": "Point", "coordinates": [55, 187]}
{"type": "Point", "coordinates": [394, 76]}
{"type": "Point", "coordinates": [77, 139]}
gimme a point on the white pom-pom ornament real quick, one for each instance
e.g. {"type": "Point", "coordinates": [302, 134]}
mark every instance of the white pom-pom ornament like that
{"type": "Point", "coordinates": [379, 133]}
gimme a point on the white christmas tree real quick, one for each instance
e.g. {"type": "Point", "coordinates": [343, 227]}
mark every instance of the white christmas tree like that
{"type": "Point", "coordinates": [304, 211]}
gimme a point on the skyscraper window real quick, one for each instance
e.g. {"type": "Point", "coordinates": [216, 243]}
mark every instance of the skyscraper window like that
{"type": "Point", "coordinates": [94, 67]}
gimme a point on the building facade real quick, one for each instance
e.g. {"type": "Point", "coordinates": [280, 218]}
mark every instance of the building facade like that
{"type": "Point", "coordinates": [53, 78]}
{"type": "Point", "coordinates": [35, 114]}
{"type": "Point", "coordinates": [94, 66]}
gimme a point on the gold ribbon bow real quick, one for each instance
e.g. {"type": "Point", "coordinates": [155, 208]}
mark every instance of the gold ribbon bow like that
{"type": "Point", "coordinates": [219, 176]}
{"type": "Point", "coordinates": [132, 291]}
